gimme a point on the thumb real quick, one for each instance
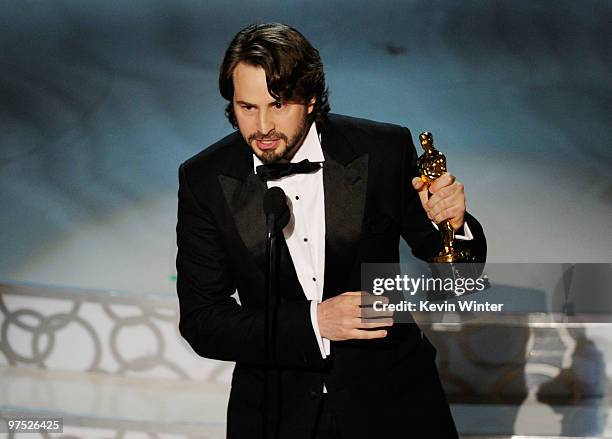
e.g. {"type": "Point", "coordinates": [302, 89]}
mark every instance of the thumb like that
{"type": "Point", "coordinates": [418, 184]}
{"type": "Point", "coordinates": [421, 187]}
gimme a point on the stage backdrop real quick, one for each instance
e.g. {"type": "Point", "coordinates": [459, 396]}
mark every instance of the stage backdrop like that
{"type": "Point", "coordinates": [101, 101]}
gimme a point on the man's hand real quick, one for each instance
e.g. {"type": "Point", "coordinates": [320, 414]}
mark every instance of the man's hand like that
{"type": "Point", "coordinates": [343, 317]}
{"type": "Point", "coordinates": [447, 200]}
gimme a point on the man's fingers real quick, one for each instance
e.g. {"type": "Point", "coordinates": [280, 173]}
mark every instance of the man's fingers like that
{"type": "Point", "coordinates": [438, 205]}
{"type": "Point", "coordinates": [374, 323]}
{"type": "Point", "coordinates": [450, 213]}
{"type": "Point", "coordinates": [354, 293]}
{"type": "Point", "coordinates": [446, 196]}
{"type": "Point", "coordinates": [442, 194]}
{"type": "Point", "coordinates": [352, 297]}
{"type": "Point", "coordinates": [363, 298]}
{"type": "Point", "coordinates": [367, 335]}
{"type": "Point", "coordinates": [444, 180]}
{"type": "Point", "coordinates": [370, 299]}
{"type": "Point", "coordinates": [369, 313]}
{"type": "Point", "coordinates": [447, 203]}
{"type": "Point", "coordinates": [353, 316]}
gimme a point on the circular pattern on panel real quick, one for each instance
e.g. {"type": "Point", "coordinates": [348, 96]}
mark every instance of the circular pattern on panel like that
{"type": "Point", "coordinates": [151, 336]}
{"type": "Point", "coordinates": [43, 330]}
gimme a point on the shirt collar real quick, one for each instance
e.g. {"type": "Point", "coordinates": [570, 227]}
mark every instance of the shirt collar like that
{"type": "Point", "coordinates": [310, 149]}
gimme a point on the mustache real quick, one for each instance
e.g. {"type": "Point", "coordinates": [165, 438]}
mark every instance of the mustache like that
{"type": "Point", "coordinates": [271, 135]}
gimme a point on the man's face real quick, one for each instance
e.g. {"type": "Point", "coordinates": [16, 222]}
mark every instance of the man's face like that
{"type": "Point", "coordinates": [274, 130]}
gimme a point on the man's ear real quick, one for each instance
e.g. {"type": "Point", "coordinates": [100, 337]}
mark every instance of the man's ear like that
{"type": "Point", "coordinates": [311, 104]}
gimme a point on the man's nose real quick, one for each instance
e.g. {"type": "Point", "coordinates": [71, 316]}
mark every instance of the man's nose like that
{"type": "Point", "coordinates": [265, 122]}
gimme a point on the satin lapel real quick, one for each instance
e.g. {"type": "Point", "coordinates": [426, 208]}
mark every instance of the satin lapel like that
{"type": "Point", "coordinates": [245, 199]}
{"type": "Point", "coordinates": [345, 178]}
{"type": "Point", "coordinates": [345, 190]}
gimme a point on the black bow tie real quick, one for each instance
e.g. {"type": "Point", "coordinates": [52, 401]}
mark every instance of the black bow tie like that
{"type": "Point", "coordinates": [274, 171]}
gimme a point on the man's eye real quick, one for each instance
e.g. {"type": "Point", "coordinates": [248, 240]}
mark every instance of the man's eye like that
{"type": "Point", "coordinates": [247, 107]}
{"type": "Point", "coordinates": [278, 105]}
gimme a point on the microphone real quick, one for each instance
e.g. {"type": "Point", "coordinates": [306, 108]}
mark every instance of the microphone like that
{"type": "Point", "coordinates": [275, 204]}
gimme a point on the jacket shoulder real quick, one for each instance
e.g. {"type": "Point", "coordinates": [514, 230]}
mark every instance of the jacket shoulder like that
{"type": "Point", "coordinates": [364, 125]}
{"type": "Point", "coordinates": [372, 136]}
{"type": "Point", "coordinates": [215, 157]}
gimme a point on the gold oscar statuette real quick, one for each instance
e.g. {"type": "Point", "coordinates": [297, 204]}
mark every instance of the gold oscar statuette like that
{"type": "Point", "coordinates": [432, 164]}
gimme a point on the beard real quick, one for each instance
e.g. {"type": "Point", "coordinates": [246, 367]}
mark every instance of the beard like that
{"type": "Point", "coordinates": [287, 146]}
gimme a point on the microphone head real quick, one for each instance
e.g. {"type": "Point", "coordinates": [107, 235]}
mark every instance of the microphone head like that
{"type": "Point", "coordinates": [275, 203]}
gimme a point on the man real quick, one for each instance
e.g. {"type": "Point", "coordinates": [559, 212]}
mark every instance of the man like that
{"type": "Point", "coordinates": [335, 375]}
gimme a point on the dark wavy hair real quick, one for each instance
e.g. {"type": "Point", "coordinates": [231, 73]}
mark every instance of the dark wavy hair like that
{"type": "Point", "coordinates": [294, 70]}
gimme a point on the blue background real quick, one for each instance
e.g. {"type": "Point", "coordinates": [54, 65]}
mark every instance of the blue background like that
{"type": "Point", "coordinates": [101, 101]}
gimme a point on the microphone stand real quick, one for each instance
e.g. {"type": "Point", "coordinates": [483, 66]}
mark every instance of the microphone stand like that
{"type": "Point", "coordinates": [269, 327]}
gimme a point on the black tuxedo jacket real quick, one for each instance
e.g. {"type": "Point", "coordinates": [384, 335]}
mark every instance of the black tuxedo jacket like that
{"type": "Point", "coordinates": [378, 387]}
